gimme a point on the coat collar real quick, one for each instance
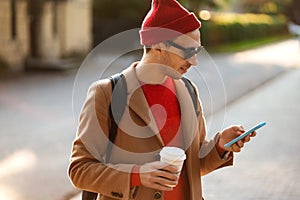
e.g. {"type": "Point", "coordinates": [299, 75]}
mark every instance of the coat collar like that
{"type": "Point", "coordinates": [137, 103]}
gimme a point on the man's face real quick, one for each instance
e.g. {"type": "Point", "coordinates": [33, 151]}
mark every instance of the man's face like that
{"type": "Point", "coordinates": [174, 57]}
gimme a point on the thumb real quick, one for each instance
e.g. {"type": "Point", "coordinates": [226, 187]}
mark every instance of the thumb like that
{"type": "Point", "coordinates": [239, 128]}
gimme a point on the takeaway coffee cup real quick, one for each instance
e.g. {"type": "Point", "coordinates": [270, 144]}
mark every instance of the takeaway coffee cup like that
{"type": "Point", "coordinates": [173, 156]}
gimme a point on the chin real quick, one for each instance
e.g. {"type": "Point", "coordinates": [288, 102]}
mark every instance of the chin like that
{"type": "Point", "coordinates": [172, 72]}
{"type": "Point", "coordinates": [175, 74]}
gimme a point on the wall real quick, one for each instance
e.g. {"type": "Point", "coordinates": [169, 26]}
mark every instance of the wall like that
{"type": "Point", "coordinates": [49, 41]}
{"type": "Point", "coordinates": [75, 26]}
{"type": "Point", "coordinates": [14, 50]}
{"type": "Point", "coordinates": [73, 33]}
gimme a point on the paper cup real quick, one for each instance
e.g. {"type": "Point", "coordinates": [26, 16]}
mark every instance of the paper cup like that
{"type": "Point", "coordinates": [173, 156]}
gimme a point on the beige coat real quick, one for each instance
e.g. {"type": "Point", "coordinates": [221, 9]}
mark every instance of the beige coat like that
{"type": "Point", "coordinates": [137, 142]}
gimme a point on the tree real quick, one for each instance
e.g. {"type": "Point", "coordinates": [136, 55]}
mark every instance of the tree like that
{"type": "Point", "coordinates": [262, 6]}
{"type": "Point", "coordinates": [295, 12]}
{"type": "Point", "coordinates": [196, 5]}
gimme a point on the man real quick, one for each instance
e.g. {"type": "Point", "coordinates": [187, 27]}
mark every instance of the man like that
{"type": "Point", "coordinates": [160, 113]}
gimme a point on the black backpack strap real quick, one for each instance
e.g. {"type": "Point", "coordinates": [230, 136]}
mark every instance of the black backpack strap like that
{"type": "Point", "coordinates": [116, 108]}
{"type": "Point", "coordinates": [188, 84]}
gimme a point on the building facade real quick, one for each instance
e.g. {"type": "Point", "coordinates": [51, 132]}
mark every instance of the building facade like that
{"type": "Point", "coordinates": [44, 31]}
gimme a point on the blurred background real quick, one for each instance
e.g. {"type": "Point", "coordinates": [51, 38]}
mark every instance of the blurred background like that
{"type": "Point", "coordinates": [51, 32]}
{"type": "Point", "coordinates": [44, 42]}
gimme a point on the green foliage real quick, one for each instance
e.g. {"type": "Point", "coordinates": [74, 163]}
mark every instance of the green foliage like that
{"type": "Point", "coordinates": [265, 6]}
{"type": "Point", "coordinates": [249, 44]}
{"type": "Point", "coordinates": [232, 27]}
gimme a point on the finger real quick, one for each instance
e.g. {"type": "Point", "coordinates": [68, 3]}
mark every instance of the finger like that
{"type": "Point", "coordinates": [253, 134]}
{"type": "Point", "coordinates": [246, 139]}
{"type": "Point", "coordinates": [166, 167]}
{"type": "Point", "coordinates": [171, 168]}
{"type": "Point", "coordinates": [152, 180]}
{"type": "Point", "coordinates": [238, 128]}
{"type": "Point", "coordinates": [161, 187]}
{"type": "Point", "coordinates": [235, 148]}
{"type": "Point", "coordinates": [166, 182]}
{"type": "Point", "coordinates": [167, 175]}
{"type": "Point", "coordinates": [240, 143]}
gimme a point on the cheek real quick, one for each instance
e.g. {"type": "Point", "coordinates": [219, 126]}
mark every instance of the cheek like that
{"type": "Point", "coordinates": [177, 62]}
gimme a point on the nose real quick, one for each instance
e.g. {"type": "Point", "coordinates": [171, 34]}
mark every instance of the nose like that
{"type": "Point", "coordinates": [193, 60]}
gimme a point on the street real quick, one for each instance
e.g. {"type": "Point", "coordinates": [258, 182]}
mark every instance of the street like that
{"type": "Point", "coordinates": [39, 113]}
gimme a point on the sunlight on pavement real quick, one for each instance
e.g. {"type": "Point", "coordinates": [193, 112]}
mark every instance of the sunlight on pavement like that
{"type": "Point", "coordinates": [8, 193]}
{"type": "Point", "coordinates": [273, 55]}
{"type": "Point", "coordinates": [17, 162]}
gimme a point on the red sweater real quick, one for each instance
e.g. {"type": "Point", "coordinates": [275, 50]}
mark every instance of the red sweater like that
{"type": "Point", "coordinates": [165, 108]}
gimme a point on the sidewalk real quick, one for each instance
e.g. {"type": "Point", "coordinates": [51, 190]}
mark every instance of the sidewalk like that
{"type": "Point", "coordinates": [267, 168]}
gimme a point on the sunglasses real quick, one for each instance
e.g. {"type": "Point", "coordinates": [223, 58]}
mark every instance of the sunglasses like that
{"type": "Point", "coordinates": [188, 52]}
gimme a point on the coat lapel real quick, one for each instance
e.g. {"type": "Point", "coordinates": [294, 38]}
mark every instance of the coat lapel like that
{"type": "Point", "coordinates": [188, 121]}
{"type": "Point", "coordinates": [137, 102]}
{"type": "Point", "coordinates": [189, 124]}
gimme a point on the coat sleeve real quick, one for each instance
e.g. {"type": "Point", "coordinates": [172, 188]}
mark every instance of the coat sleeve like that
{"type": "Point", "coordinates": [210, 159]}
{"type": "Point", "coordinates": [87, 170]}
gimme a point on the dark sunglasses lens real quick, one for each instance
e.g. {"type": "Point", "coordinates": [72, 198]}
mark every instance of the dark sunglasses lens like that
{"type": "Point", "coordinates": [191, 52]}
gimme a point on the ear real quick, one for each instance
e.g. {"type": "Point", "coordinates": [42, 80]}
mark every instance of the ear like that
{"type": "Point", "coordinates": [156, 47]}
{"type": "Point", "coordinates": [159, 47]}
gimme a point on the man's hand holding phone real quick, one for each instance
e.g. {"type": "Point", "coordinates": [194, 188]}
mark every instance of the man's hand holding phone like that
{"type": "Point", "coordinates": [233, 138]}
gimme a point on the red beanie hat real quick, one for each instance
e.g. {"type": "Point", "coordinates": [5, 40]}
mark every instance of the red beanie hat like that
{"type": "Point", "coordinates": [166, 20]}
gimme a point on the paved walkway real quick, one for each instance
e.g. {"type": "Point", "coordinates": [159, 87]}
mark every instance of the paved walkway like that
{"type": "Point", "coordinates": [268, 166]}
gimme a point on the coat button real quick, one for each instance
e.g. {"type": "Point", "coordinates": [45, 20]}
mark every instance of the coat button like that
{"type": "Point", "coordinates": [157, 195]}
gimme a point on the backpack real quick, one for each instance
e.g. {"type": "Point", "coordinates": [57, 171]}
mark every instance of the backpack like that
{"type": "Point", "coordinates": [121, 96]}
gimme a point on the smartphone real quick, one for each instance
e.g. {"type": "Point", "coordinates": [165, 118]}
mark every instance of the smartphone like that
{"type": "Point", "coordinates": [245, 134]}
